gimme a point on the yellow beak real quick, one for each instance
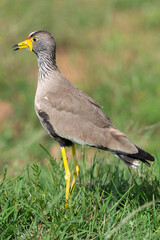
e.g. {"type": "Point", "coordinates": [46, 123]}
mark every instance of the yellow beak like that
{"type": "Point", "coordinates": [25, 44]}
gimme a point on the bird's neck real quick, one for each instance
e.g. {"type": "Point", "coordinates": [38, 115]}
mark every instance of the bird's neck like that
{"type": "Point", "coordinates": [46, 64]}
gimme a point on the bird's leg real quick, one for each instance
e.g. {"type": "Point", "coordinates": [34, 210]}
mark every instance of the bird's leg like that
{"type": "Point", "coordinates": [67, 173]}
{"type": "Point", "coordinates": [75, 169]}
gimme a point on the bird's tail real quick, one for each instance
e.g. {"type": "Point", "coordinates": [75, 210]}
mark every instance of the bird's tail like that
{"type": "Point", "coordinates": [132, 160]}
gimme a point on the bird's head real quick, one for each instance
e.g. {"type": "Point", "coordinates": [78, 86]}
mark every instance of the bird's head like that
{"type": "Point", "coordinates": [38, 42]}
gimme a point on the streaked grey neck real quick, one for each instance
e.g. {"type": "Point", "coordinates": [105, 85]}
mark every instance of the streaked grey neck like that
{"type": "Point", "coordinates": [46, 64]}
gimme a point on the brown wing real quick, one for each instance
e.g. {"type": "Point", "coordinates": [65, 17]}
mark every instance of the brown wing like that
{"type": "Point", "coordinates": [77, 117]}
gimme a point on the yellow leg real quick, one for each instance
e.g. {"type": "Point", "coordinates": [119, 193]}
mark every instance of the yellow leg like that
{"type": "Point", "coordinates": [75, 169]}
{"type": "Point", "coordinates": [67, 173]}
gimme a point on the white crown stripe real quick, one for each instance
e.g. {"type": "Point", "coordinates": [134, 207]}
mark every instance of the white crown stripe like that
{"type": "Point", "coordinates": [31, 33]}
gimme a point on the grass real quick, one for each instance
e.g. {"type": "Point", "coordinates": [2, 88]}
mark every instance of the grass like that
{"type": "Point", "coordinates": [106, 204]}
{"type": "Point", "coordinates": [109, 49]}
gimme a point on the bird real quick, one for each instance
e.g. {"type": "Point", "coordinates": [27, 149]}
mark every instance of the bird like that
{"type": "Point", "coordinates": [70, 116]}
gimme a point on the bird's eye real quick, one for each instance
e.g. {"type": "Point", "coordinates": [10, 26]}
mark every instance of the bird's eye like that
{"type": "Point", "coordinates": [34, 39]}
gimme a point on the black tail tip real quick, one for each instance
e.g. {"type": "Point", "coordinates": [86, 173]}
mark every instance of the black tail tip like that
{"type": "Point", "coordinates": [145, 155]}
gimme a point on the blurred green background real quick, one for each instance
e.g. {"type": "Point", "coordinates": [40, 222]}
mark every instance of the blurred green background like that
{"type": "Point", "coordinates": [109, 49]}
